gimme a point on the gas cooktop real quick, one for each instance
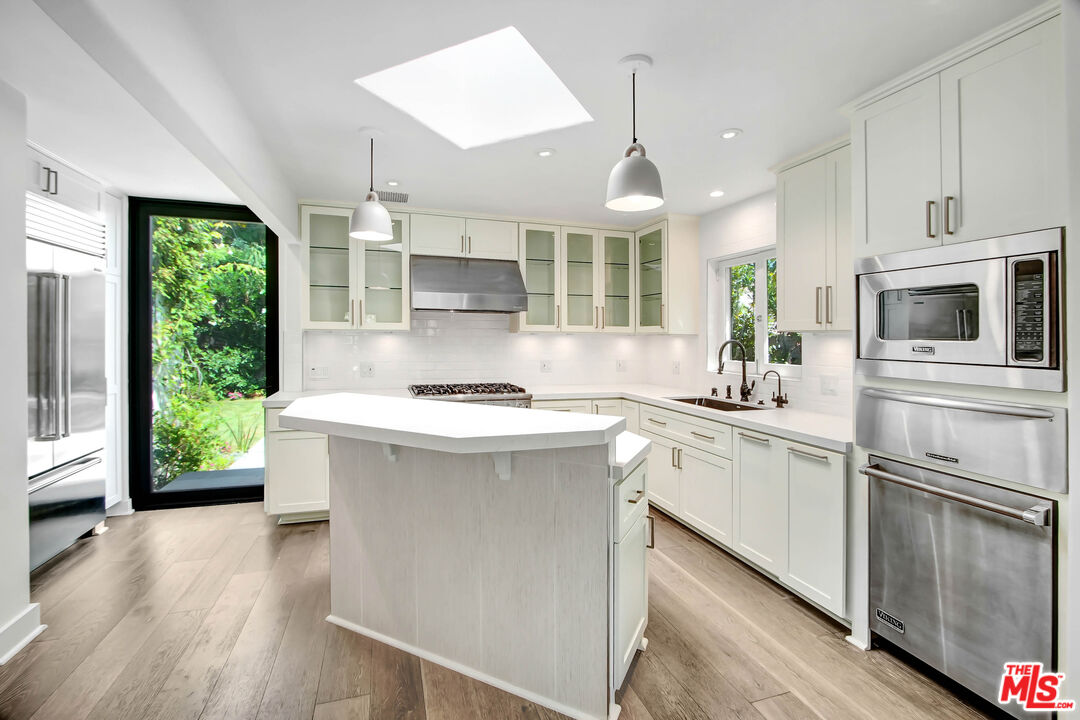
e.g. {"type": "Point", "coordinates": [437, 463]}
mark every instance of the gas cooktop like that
{"type": "Point", "coordinates": [504, 393]}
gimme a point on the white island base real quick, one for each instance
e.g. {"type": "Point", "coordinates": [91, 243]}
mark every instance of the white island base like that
{"type": "Point", "coordinates": [502, 580]}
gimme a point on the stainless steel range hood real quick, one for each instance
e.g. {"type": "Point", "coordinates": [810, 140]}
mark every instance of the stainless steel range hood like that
{"type": "Point", "coordinates": [445, 283]}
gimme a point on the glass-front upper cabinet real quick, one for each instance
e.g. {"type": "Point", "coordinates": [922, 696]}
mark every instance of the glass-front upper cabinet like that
{"type": "Point", "coordinates": [353, 284]}
{"type": "Point", "coordinates": [652, 289]}
{"type": "Point", "coordinates": [581, 288]}
{"type": "Point", "coordinates": [540, 256]}
{"type": "Point", "coordinates": [617, 278]}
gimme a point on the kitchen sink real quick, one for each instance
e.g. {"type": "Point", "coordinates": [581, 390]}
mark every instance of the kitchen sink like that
{"type": "Point", "coordinates": [717, 404]}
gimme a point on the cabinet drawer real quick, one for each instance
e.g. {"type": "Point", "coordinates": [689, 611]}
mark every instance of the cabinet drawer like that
{"type": "Point", "coordinates": [702, 434]}
{"type": "Point", "coordinates": [631, 500]}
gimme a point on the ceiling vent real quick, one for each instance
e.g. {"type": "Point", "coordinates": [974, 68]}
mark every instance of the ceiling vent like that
{"type": "Point", "coordinates": [394, 197]}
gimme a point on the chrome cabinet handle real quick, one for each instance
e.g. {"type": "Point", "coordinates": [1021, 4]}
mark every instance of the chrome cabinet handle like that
{"type": "Point", "coordinates": [755, 438]}
{"type": "Point", "coordinates": [710, 438]}
{"type": "Point", "coordinates": [637, 498]}
{"type": "Point", "coordinates": [654, 421]}
{"type": "Point", "coordinates": [817, 305]}
{"type": "Point", "coordinates": [949, 403]}
{"type": "Point", "coordinates": [814, 456]}
{"type": "Point", "coordinates": [949, 199]}
{"type": "Point", "coordinates": [652, 533]}
{"type": "Point", "coordinates": [929, 221]}
{"type": "Point", "coordinates": [1036, 515]}
{"type": "Point", "coordinates": [56, 182]}
{"type": "Point", "coordinates": [828, 304]}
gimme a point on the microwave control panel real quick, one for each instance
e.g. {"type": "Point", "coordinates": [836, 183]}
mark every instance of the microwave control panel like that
{"type": "Point", "coordinates": [1029, 308]}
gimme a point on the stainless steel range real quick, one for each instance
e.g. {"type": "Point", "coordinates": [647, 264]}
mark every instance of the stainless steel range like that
{"type": "Point", "coordinates": [486, 393]}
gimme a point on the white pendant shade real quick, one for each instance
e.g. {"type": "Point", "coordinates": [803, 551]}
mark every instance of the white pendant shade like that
{"type": "Point", "coordinates": [634, 183]}
{"type": "Point", "coordinates": [370, 220]}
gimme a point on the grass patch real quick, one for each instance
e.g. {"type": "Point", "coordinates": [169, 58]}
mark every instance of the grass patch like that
{"type": "Point", "coordinates": [240, 422]}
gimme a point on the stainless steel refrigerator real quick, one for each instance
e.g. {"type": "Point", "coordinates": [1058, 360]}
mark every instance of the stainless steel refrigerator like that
{"type": "Point", "coordinates": [66, 388]}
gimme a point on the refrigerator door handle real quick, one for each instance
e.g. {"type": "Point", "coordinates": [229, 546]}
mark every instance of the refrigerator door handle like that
{"type": "Point", "coordinates": [61, 473]}
{"type": "Point", "coordinates": [55, 353]}
{"type": "Point", "coordinates": [65, 284]}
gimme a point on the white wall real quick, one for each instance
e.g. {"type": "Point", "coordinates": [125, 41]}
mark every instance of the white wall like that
{"type": "Point", "coordinates": [19, 620]}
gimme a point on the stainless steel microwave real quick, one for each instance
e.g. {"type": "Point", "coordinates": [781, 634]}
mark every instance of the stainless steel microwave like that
{"type": "Point", "coordinates": [985, 313]}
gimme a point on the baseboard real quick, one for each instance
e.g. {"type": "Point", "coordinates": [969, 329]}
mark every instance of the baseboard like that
{"type": "Point", "coordinates": [466, 670]}
{"type": "Point", "coordinates": [19, 631]}
{"type": "Point", "coordinates": [303, 517]}
{"type": "Point", "coordinates": [120, 507]}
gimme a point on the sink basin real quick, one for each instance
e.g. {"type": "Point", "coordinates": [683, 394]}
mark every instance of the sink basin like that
{"type": "Point", "coordinates": [717, 404]}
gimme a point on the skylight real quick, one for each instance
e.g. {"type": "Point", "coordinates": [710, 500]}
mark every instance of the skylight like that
{"type": "Point", "coordinates": [493, 88]}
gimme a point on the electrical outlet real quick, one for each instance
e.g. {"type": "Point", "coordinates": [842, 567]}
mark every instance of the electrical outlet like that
{"type": "Point", "coordinates": [364, 369]}
{"type": "Point", "coordinates": [676, 367]}
{"type": "Point", "coordinates": [620, 365]}
{"type": "Point", "coordinates": [319, 372]}
{"type": "Point", "coordinates": [545, 366]}
{"type": "Point", "coordinates": [830, 385]}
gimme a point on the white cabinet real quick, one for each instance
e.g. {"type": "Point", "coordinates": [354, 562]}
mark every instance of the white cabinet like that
{"type": "Point", "coordinates": [761, 501]}
{"type": "Point", "coordinates": [616, 281]}
{"type": "Point", "coordinates": [580, 296]}
{"type": "Point", "coordinates": [464, 237]}
{"type": "Point", "coordinates": [578, 406]}
{"type": "Point", "coordinates": [816, 552]}
{"type": "Point", "coordinates": [813, 244]}
{"type": "Point", "coordinates": [896, 146]}
{"type": "Point", "coordinates": [705, 493]}
{"type": "Point", "coordinates": [1002, 138]}
{"type": "Point", "coordinates": [297, 484]}
{"type": "Point", "coordinates": [973, 150]}
{"type": "Point", "coordinates": [58, 182]}
{"type": "Point", "coordinates": [667, 276]}
{"type": "Point", "coordinates": [607, 407]}
{"type": "Point", "coordinates": [353, 284]}
{"type": "Point", "coordinates": [631, 595]}
{"type": "Point", "coordinates": [632, 412]}
{"type": "Point", "coordinates": [663, 473]}
{"type": "Point", "coordinates": [540, 258]}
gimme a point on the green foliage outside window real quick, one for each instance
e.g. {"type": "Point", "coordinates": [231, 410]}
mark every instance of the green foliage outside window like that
{"type": "Point", "coordinates": [784, 348]}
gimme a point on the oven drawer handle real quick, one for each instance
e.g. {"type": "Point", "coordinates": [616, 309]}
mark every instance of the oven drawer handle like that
{"type": "Point", "coordinates": [1022, 411]}
{"type": "Point", "coordinates": [1037, 515]}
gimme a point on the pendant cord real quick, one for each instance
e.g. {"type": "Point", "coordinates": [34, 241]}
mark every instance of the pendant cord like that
{"type": "Point", "coordinates": [633, 102]}
{"type": "Point", "coordinates": [372, 156]}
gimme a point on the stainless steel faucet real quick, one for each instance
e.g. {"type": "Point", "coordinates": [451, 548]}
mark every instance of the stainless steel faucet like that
{"type": "Point", "coordinates": [780, 400]}
{"type": "Point", "coordinates": [744, 389]}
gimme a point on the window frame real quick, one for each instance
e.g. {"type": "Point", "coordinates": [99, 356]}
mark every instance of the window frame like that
{"type": "Point", "coordinates": [719, 267]}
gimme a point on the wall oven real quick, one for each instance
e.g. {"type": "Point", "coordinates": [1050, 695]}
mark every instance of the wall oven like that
{"type": "Point", "coordinates": [984, 312]}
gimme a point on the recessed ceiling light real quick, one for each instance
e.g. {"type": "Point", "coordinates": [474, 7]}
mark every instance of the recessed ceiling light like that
{"type": "Point", "coordinates": [716, 193]}
{"type": "Point", "coordinates": [392, 183]}
{"type": "Point", "coordinates": [483, 91]}
{"type": "Point", "coordinates": [730, 133]}
{"type": "Point", "coordinates": [545, 152]}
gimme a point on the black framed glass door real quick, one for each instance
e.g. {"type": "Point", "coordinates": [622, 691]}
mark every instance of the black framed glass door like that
{"type": "Point", "coordinates": [203, 351]}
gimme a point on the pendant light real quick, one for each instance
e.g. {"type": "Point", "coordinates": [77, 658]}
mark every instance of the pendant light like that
{"type": "Point", "coordinates": [370, 220]}
{"type": "Point", "coordinates": [634, 183]}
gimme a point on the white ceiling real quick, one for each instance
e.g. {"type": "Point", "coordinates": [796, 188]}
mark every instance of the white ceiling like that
{"type": "Point", "coordinates": [79, 113]}
{"type": "Point", "coordinates": [779, 70]}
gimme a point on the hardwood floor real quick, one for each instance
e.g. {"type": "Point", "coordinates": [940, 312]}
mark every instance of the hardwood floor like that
{"type": "Point", "coordinates": [219, 613]}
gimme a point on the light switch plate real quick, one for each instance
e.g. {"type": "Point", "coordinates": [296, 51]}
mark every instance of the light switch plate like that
{"type": "Point", "coordinates": [620, 365]}
{"type": "Point", "coordinates": [364, 369]}
{"type": "Point", "coordinates": [830, 385]}
{"type": "Point", "coordinates": [319, 372]}
{"type": "Point", "coordinates": [676, 367]}
{"type": "Point", "coordinates": [545, 366]}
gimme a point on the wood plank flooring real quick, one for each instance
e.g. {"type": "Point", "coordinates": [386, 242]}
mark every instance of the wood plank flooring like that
{"type": "Point", "coordinates": [218, 612]}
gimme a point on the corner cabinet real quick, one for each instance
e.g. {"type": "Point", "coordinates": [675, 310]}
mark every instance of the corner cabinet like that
{"type": "Point", "coordinates": [353, 284]}
{"type": "Point", "coordinates": [667, 277]}
{"type": "Point", "coordinates": [816, 282]}
{"type": "Point", "coordinates": [970, 151]}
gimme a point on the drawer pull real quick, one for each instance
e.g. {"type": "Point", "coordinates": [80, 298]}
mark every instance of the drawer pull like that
{"type": "Point", "coordinates": [710, 438]}
{"type": "Point", "coordinates": [814, 456]}
{"type": "Point", "coordinates": [755, 438]}
{"type": "Point", "coordinates": [637, 498]}
{"type": "Point", "coordinates": [654, 421]}
{"type": "Point", "coordinates": [673, 458]}
{"type": "Point", "coordinates": [652, 533]}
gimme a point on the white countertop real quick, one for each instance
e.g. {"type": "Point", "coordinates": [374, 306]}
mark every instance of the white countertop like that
{"type": "Point", "coordinates": [446, 426]}
{"type": "Point", "coordinates": [830, 432]}
{"type": "Point", "coordinates": [630, 451]}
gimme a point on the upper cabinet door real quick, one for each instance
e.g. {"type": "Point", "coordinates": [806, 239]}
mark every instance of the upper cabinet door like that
{"type": "Point", "coordinates": [491, 239]}
{"type": "Point", "coordinates": [438, 235]}
{"type": "Point", "coordinates": [617, 282]}
{"type": "Point", "coordinates": [840, 283]}
{"type": "Point", "coordinates": [540, 258]}
{"type": "Point", "coordinates": [652, 257]}
{"type": "Point", "coordinates": [897, 149]}
{"type": "Point", "coordinates": [802, 246]}
{"type": "Point", "coordinates": [580, 292]}
{"type": "Point", "coordinates": [1003, 137]}
{"type": "Point", "coordinates": [329, 268]}
{"type": "Point", "coordinates": [385, 301]}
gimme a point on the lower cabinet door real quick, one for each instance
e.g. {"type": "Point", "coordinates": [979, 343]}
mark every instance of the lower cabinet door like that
{"type": "Point", "coordinates": [816, 513]}
{"type": "Point", "coordinates": [631, 596]}
{"type": "Point", "coordinates": [705, 493]}
{"type": "Point", "coordinates": [663, 473]}
{"type": "Point", "coordinates": [297, 472]}
{"type": "Point", "coordinates": [607, 407]}
{"type": "Point", "coordinates": [761, 501]}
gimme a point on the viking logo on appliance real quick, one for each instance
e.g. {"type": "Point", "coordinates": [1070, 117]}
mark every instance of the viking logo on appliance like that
{"type": "Point", "coordinates": [1031, 688]}
{"type": "Point", "coordinates": [923, 349]}
{"type": "Point", "coordinates": [895, 623]}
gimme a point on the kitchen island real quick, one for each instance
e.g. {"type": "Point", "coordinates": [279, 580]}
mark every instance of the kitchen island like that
{"type": "Point", "coordinates": [504, 543]}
